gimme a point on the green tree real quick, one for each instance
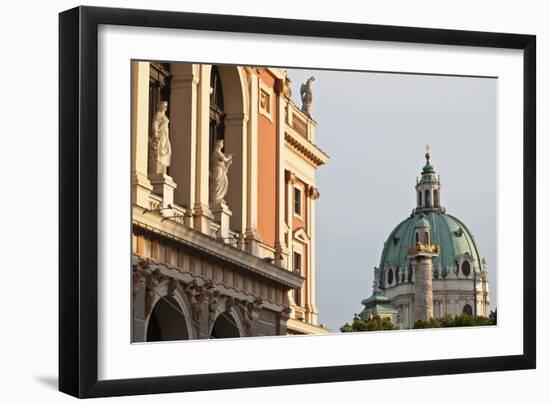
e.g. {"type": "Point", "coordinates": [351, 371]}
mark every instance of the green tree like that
{"type": "Point", "coordinates": [372, 324]}
{"type": "Point", "coordinates": [463, 320]}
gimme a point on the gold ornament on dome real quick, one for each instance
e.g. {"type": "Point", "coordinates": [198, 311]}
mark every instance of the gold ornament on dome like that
{"type": "Point", "coordinates": [420, 248]}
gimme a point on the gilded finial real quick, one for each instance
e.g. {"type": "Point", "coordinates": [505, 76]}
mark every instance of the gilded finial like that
{"type": "Point", "coordinates": [427, 155]}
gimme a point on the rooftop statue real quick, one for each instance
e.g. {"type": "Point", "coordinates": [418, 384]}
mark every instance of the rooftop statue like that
{"type": "Point", "coordinates": [307, 96]}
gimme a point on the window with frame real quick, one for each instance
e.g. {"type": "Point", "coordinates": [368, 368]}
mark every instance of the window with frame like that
{"type": "Point", "coordinates": [297, 263]}
{"type": "Point", "coordinates": [390, 276]}
{"type": "Point", "coordinates": [298, 201]}
{"type": "Point", "coordinates": [466, 268]}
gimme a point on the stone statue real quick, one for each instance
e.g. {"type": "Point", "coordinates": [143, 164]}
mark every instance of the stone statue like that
{"type": "Point", "coordinates": [307, 95]}
{"type": "Point", "coordinates": [246, 311]}
{"type": "Point", "coordinates": [196, 295]}
{"type": "Point", "coordinates": [213, 303]}
{"type": "Point", "coordinates": [219, 165]}
{"type": "Point", "coordinates": [160, 151]}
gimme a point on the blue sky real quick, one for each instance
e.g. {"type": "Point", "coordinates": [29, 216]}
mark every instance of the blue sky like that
{"type": "Point", "coordinates": [374, 126]}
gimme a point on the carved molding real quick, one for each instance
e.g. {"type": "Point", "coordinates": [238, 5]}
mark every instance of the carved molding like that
{"type": "Point", "coordinates": [290, 177]}
{"type": "Point", "coordinates": [152, 284]}
{"type": "Point", "coordinates": [313, 192]}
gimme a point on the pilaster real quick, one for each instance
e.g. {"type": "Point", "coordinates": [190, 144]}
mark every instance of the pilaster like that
{"type": "Point", "coordinates": [184, 95]}
{"type": "Point", "coordinates": [251, 233]}
{"type": "Point", "coordinates": [235, 143]}
{"type": "Point", "coordinates": [141, 187]}
{"type": "Point", "coordinates": [201, 212]}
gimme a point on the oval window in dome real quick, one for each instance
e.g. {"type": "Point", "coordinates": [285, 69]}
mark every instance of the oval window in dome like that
{"type": "Point", "coordinates": [390, 276]}
{"type": "Point", "coordinates": [466, 268]}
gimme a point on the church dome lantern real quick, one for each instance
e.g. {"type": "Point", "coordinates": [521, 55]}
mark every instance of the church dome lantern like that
{"type": "Point", "coordinates": [428, 188]}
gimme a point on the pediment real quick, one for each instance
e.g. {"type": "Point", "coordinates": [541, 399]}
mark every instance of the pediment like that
{"type": "Point", "coordinates": [301, 235]}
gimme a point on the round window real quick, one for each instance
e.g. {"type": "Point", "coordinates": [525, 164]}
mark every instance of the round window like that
{"type": "Point", "coordinates": [390, 276]}
{"type": "Point", "coordinates": [466, 268]}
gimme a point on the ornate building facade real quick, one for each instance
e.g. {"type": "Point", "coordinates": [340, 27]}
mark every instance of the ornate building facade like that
{"type": "Point", "coordinates": [223, 194]}
{"type": "Point", "coordinates": [430, 264]}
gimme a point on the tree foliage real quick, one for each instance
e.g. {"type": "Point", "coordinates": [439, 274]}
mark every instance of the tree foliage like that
{"type": "Point", "coordinates": [381, 324]}
{"type": "Point", "coordinates": [372, 324]}
{"type": "Point", "coordinates": [463, 320]}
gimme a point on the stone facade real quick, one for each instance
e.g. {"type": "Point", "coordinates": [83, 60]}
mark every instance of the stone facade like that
{"type": "Point", "coordinates": [242, 262]}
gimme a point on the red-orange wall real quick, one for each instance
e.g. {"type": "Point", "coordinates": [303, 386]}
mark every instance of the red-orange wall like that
{"type": "Point", "coordinates": [267, 170]}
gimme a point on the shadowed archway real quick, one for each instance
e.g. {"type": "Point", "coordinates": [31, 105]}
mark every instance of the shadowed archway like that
{"type": "Point", "coordinates": [225, 326]}
{"type": "Point", "coordinates": [167, 322]}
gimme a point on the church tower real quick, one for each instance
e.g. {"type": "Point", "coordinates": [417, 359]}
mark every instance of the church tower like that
{"type": "Point", "coordinates": [431, 265]}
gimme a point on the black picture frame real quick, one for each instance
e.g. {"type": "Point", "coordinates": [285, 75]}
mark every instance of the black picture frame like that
{"type": "Point", "coordinates": [78, 200]}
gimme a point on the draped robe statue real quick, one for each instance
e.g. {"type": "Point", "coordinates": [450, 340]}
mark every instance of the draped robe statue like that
{"type": "Point", "coordinates": [159, 142]}
{"type": "Point", "coordinates": [219, 165]}
{"type": "Point", "coordinates": [307, 95]}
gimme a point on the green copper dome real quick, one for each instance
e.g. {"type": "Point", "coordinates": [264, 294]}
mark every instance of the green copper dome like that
{"type": "Point", "coordinates": [422, 222]}
{"type": "Point", "coordinates": [428, 168]}
{"type": "Point", "coordinates": [450, 233]}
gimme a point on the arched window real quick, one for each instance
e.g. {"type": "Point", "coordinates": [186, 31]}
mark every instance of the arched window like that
{"type": "Point", "coordinates": [466, 268]}
{"type": "Point", "coordinates": [426, 237]}
{"type": "Point", "coordinates": [410, 275]}
{"type": "Point", "coordinates": [427, 199]}
{"type": "Point", "coordinates": [390, 276]}
{"type": "Point", "coordinates": [217, 113]}
{"type": "Point", "coordinates": [416, 236]}
{"type": "Point", "coordinates": [419, 198]}
{"type": "Point", "coordinates": [436, 198]}
{"type": "Point", "coordinates": [467, 310]}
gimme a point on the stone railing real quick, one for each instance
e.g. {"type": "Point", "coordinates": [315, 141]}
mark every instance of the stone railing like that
{"type": "Point", "coordinates": [299, 125]}
{"type": "Point", "coordinates": [155, 202]}
{"type": "Point", "coordinates": [176, 213]}
{"type": "Point", "coordinates": [298, 122]}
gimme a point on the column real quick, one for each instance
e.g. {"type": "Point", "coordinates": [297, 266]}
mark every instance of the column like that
{"type": "Point", "coordinates": [423, 293]}
{"type": "Point", "coordinates": [141, 187]}
{"type": "Point", "coordinates": [280, 248]}
{"type": "Point", "coordinates": [311, 233]}
{"type": "Point", "coordinates": [235, 143]}
{"type": "Point", "coordinates": [202, 216]}
{"type": "Point", "coordinates": [251, 233]}
{"type": "Point", "coordinates": [183, 130]}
